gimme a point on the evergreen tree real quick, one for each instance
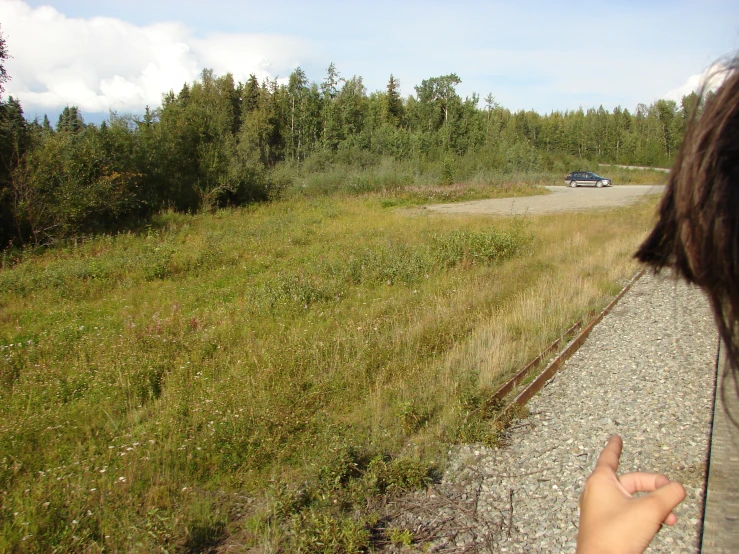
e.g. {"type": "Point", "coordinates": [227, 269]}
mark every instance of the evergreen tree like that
{"type": "Point", "coordinates": [394, 110]}
{"type": "Point", "coordinates": [184, 95]}
{"type": "Point", "coordinates": [250, 101]}
{"type": "Point", "coordinates": [490, 105]}
{"type": "Point", "coordinates": [15, 141]}
{"type": "Point", "coordinates": [70, 120]}
{"type": "Point", "coordinates": [46, 126]}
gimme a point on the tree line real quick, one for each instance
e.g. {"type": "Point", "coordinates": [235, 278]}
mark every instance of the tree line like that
{"type": "Point", "coordinates": [217, 142]}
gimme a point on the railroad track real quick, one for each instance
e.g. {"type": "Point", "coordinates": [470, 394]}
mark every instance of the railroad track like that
{"type": "Point", "coordinates": [519, 389]}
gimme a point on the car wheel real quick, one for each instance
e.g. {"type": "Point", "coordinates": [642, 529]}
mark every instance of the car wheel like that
{"type": "Point", "coordinates": [599, 184]}
{"type": "Point", "coordinates": [573, 184]}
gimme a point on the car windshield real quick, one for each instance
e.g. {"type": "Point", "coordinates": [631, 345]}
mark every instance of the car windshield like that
{"type": "Point", "coordinates": [596, 176]}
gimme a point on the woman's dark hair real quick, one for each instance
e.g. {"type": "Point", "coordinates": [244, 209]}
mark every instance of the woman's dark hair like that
{"type": "Point", "coordinates": [697, 233]}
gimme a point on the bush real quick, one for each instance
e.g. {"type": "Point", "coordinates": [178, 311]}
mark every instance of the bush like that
{"type": "Point", "coordinates": [72, 185]}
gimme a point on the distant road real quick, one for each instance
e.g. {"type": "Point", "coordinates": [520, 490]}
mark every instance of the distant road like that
{"type": "Point", "coordinates": [561, 199]}
{"type": "Point", "coordinates": [662, 169]}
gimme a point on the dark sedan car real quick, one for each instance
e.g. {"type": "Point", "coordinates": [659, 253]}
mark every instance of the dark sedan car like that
{"type": "Point", "coordinates": [582, 178]}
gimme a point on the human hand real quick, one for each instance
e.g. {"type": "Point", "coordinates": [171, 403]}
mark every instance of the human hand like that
{"type": "Point", "coordinates": [611, 519]}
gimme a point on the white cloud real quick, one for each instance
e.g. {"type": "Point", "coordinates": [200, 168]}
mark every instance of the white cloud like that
{"type": "Point", "coordinates": [104, 63]}
{"type": "Point", "coordinates": [711, 78]}
{"type": "Point", "coordinates": [263, 55]}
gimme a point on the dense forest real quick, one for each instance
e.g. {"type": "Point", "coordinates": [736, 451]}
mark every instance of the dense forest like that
{"type": "Point", "coordinates": [217, 142]}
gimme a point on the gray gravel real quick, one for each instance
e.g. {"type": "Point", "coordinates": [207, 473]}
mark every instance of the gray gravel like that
{"type": "Point", "coordinates": [647, 373]}
{"type": "Point", "coordinates": [561, 199]}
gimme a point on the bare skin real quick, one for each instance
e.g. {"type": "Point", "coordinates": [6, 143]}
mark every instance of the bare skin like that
{"type": "Point", "coordinates": [612, 519]}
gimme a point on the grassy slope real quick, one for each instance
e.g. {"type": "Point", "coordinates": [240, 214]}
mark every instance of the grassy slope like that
{"type": "Point", "coordinates": [146, 380]}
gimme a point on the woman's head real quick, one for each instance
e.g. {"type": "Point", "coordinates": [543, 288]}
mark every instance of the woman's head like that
{"type": "Point", "coordinates": [697, 233]}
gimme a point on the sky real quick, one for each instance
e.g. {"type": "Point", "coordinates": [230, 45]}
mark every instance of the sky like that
{"type": "Point", "coordinates": [122, 55]}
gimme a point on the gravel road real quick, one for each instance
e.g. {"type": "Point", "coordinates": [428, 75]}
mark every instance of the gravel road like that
{"type": "Point", "coordinates": [561, 199]}
{"type": "Point", "coordinates": [647, 373]}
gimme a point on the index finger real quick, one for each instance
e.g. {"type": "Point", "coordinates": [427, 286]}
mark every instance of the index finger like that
{"type": "Point", "coordinates": [611, 454]}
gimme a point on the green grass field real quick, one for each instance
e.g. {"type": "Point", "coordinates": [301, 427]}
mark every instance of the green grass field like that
{"type": "Point", "coordinates": [265, 374]}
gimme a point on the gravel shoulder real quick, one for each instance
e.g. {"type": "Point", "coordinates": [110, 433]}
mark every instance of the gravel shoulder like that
{"type": "Point", "coordinates": [561, 199]}
{"type": "Point", "coordinates": [647, 373]}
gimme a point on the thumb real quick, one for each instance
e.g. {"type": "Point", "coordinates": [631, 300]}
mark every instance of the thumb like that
{"type": "Point", "coordinates": [658, 505]}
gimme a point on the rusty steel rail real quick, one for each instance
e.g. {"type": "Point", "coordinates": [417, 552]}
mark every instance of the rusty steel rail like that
{"type": "Point", "coordinates": [549, 371]}
{"type": "Point", "coordinates": [514, 381]}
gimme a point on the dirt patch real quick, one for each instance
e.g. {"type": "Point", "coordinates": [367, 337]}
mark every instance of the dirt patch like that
{"type": "Point", "coordinates": [561, 199]}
